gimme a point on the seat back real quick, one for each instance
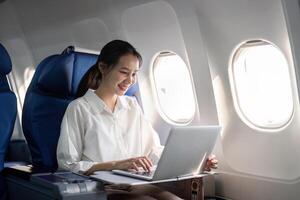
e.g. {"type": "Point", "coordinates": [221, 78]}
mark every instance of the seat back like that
{"type": "Point", "coordinates": [8, 105]}
{"type": "Point", "coordinates": [53, 87]}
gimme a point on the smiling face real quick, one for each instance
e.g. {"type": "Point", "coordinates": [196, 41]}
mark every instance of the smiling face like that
{"type": "Point", "coordinates": [117, 80]}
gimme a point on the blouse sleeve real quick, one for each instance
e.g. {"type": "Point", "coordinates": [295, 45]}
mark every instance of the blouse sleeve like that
{"type": "Point", "coordinates": [151, 146]}
{"type": "Point", "coordinates": [70, 143]}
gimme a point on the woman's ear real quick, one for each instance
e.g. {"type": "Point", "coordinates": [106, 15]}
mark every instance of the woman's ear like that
{"type": "Point", "coordinates": [101, 67]}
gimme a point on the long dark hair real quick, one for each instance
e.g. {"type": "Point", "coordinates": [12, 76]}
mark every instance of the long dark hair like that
{"type": "Point", "coordinates": [109, 55]}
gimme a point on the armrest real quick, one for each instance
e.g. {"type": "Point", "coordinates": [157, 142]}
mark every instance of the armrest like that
{"type": "Point", "coordinates": [21, 171]}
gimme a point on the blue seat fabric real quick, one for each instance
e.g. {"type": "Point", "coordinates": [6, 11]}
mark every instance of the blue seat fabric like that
{"type": "Point", "coordinates": [53, 87]}
{"type": "Point", "coordinates": [8, 105]}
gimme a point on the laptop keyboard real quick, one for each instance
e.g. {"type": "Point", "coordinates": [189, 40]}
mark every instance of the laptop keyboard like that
{"type": "Point", "coordinates": [143, 173]}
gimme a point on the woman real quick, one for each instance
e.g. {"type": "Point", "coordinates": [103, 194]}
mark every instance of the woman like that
{"type": "Point", "coordinates": [105, 130]}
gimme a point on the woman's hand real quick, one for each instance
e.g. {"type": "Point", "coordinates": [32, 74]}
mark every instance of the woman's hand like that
{"type": "Point", "coordinates": [128, 164]}
{"type": "Point", "coordinates": [134, 164]}
{"type": "Point", "coordinates": [211, 163]}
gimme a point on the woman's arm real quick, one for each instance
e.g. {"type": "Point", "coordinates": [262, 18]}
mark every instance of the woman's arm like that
{"type": "Point", "coordinates": [107, 166]}
{"type": "Point", "coordinates": [70, 143]}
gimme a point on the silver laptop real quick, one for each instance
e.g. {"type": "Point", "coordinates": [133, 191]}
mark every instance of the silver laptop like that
{"type": "Point", "coordinates": [185, 153]}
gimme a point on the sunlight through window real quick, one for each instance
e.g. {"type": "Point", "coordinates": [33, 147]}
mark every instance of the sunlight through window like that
{"type": "Point", "coordinates": [174, 87]}
{"type": "Point", "coordinates": [262, 85]}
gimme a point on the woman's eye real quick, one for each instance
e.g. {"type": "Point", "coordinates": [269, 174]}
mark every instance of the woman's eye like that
{"type": "Point", "coordinates": [123, 72]}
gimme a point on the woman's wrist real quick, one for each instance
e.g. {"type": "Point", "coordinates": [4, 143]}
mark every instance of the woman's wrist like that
{"type": "Point", "coordinates": [113, 165]}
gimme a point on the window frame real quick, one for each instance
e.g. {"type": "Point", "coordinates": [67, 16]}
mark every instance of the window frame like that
{"type": "Point", "coordinates": [232, 81]}
{"type": "Point", "coordinates": [155, 90]}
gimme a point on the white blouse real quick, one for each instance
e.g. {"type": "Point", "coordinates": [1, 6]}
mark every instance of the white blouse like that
{"type": "Point", "coordinates": [91, 133]}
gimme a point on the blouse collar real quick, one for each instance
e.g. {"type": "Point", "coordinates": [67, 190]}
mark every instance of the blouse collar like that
{"type": "Point", "coordinates": [98, 104]}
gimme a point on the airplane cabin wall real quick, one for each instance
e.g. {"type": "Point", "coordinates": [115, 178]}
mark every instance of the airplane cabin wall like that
{"type": "Point", "coordinates": [51, 26]}
{"type": "Point", "coordinates": [254, 163]}
{"type": "Point", "coordinates": [33, 30]}
{"type": "Point", "coordinates": [14, 40]}
{"type": "Point", "coordinates": [152, 33]}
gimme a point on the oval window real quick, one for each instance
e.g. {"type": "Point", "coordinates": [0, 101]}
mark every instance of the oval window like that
{"type": "Point", "coordinates": [261, 84]}
{"type": "Point", "coordinates": [174, 89]}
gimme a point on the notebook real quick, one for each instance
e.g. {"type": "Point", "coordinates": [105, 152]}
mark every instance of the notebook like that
{"type": "Point", "coordinates": [185, 153]}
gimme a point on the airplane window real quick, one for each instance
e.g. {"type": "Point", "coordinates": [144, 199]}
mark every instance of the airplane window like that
{"type": "Point", "coordinates": [174, 87]}
{"type": "Point", "coordinates": [261, 84]}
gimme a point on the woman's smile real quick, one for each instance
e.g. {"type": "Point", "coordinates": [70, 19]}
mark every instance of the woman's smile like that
{"type": "Point", "coordinates": [123, 87]}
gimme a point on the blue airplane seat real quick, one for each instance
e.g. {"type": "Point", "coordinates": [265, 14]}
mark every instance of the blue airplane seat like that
{"type": "Point", "coordinates": [8, 112]}
{"type": "Point", "coordinates": [8, 105]}
{"type": "Point", "coordinates": [53, 87]}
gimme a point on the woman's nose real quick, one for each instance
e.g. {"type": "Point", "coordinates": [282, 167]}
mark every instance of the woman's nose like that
{"type": "Point", "coordinates": [130, 80]}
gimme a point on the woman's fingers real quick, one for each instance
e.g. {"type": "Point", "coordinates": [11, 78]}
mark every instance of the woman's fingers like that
{"type": "Point", "coordinates": [145, 163]}
{"type": "Point", "coordinates": [142, 162]}
{"type": "Point", "coordinates": [135, 163]}
{"type": "Point", "coordinates": [214, 163]}
{"type": "Point", "coordinates": [89, 171]}
{"type": "Point", "coordinates": [211, 157]}
{"type": "Point", "coordinates": [149, 161]}
{"type": "Point", "coordinates": [135, 166]}
{"type": "Point", "coordinates": [211, 163]}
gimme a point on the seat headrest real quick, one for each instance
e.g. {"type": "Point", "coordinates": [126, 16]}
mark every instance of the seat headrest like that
{"type": "Point", "coordinates": [5, 62]}
{"type": "Point", "coordinates": [62, 74]}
